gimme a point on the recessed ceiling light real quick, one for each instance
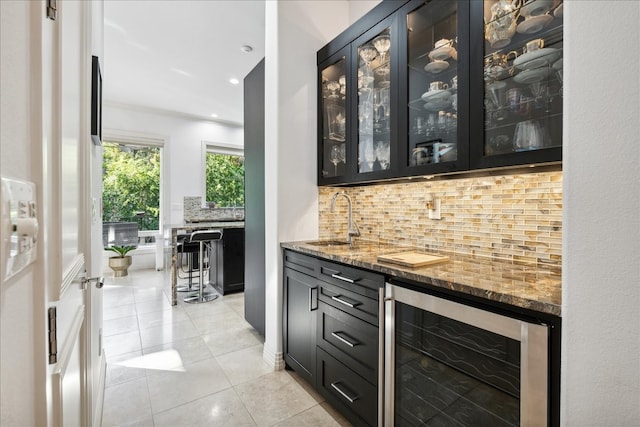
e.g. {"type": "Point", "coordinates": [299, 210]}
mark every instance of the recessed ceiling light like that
{"type": "Point", "coordinates": [214, 115]}
{"type": "Point", "coordinates": [234, 81]}
{"type": "Point", "coordinates": [246, 48]}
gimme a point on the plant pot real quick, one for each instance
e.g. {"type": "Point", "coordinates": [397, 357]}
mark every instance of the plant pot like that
{"type": "Point", "coordinates": [119, 265]}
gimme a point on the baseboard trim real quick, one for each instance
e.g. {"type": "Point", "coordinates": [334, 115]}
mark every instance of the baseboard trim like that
{"type": "Point", "coordinates": [275, 359]}
{"type": "Point", "coordinates": [97, 422]}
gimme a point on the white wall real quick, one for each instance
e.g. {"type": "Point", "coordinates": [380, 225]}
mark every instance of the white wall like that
{"type": "Point", "coordinates": [295, 31]}
{"type": "Point", "coordinates": [18, 318]}
{"type": "Point", "coordinates": [183, 144]}
{"type": "Point", "coordinates": [601, 256]}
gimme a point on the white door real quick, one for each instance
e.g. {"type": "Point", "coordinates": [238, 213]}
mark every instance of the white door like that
{"type": "Point", "coordinates": [69, 376]}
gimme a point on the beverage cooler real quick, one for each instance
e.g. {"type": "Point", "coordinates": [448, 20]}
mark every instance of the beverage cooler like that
{"type": "Point", "coordinates": [453, 364]}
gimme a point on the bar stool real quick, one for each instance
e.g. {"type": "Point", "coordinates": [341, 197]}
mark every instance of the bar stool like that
{"type": "Point", "coordinates": [204, 238]}
{"type": "Point", "coordinates": [189, 250]}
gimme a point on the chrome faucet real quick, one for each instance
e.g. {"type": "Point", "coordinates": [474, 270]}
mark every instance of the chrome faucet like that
{"type": "Point", "coordinates": [352, 227]}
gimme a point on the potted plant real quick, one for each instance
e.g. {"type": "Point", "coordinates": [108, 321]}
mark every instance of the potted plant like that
{"type": "Point", "coordinates": [121, 262]}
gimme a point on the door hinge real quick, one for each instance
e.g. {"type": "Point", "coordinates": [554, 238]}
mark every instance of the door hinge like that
{"type": "Point", "coordinates": [52, 9]}
{"type": "Point", "coordinates": [53, 340]}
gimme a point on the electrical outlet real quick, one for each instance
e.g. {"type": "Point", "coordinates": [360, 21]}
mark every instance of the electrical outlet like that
{"type": "Point", "coordinates": [434, 208]}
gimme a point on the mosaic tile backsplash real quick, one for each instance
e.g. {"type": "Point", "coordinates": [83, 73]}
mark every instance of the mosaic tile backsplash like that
{"type": "Point", "coordinates": [515, 218]}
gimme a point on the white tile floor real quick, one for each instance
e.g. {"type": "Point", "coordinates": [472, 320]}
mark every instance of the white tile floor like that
{"type": "Point", "coordinates": [194, 365]}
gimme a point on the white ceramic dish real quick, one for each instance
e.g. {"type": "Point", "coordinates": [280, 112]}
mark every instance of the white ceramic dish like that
{"type": "Point", "coordinates": [532, 76]}
{"type": "Point", "coordinates": [434, 95]}
{"type": "Point", "coordinates": [536, 7]}
{"type": "Point", "coordinates": [437, 105]}
{"type": "Point", "coordinates": [442, 53]}
{"type": "Point", "coordinates": [436, 66]}
{"type": "Point", "coordinates": [534, 24]}
{"type": "Point", "coordinates": [537, 58]}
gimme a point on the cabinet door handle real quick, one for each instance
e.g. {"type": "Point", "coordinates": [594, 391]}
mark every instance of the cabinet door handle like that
{"type": "Point", "coordinates": [347, 279]}
{"type": "Point", "coordinates": [344, 394]}
{"type": "Point", "coordinates": [313, 300]}
{"type": "Point", "coordinates": [343, 339]}
{"type": "Point", "coordinates": [351, 303]}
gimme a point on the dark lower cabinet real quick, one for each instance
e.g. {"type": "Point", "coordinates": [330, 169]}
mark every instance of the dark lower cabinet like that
{"type": "Point", "coordinates": [352, 395]}
{"type": "Point", "coordinates": [299, 323]}
{"type": "Point", "coordinates": [229, 254]}
{"type": "Point", "coordinates": [331, 335]}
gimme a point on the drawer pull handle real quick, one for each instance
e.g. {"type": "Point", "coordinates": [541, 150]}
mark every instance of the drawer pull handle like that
{"type": "Point", "coordinates": [344, 340]}
{"type": "Point", "coordinates": [347, 279]}
{"type": "Point", "coordinates": [351, 303]}
{"type": "Point", "coordinates": [344, 393]}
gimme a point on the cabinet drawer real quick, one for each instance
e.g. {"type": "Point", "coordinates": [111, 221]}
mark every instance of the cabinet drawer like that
{"type": "Point", "coordinates": [353, 341]}
{"type": "Point", "coordinates": [355, 397]}
{"type": "Point", "coordinates": [351, 302]}
{"type": "Point", "coordinates": [359, 281]}
{"type": "Point", "coordinates": [302, 263]}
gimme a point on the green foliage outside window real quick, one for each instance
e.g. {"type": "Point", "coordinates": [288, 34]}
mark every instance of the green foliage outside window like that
{"type": "Point", "coordinates": [131, 185]}
{"type": "Point", "coordinates": [225, 179]}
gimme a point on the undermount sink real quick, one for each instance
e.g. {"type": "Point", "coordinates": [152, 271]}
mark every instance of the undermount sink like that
{"type": "Point", "coordinates": [327, 243]}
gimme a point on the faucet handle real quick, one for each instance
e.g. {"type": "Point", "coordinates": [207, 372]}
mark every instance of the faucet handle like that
{"type": "Point", "coordinates": [354, 230]}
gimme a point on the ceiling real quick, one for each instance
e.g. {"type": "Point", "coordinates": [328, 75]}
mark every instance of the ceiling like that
{"type": "Point", "coordinates": [178, 56]}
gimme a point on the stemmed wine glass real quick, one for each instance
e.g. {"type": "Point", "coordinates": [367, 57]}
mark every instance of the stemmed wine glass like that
{"type": "Point", "coordinates": [335, 158]}
{"type": "Point", "coordinates": [383, 153]}
{"type": "Point", "coordinates": [343, 152]}
{"type": "Point", "coordinates": [382, 43]}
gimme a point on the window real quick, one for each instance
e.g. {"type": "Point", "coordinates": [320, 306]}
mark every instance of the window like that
{"type": "Point", "coordinates": [131, 186]}
{"type": "Point", "coordinates": [224, 177]}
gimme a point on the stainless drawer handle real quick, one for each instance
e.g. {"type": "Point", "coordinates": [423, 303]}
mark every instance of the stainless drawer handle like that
{"type": "Point", "coordinates": [344, 393]}
{"type": "Point", "coordinates": [347, 279]}
{"type": "Point", "coordinates": [344, 340]}
{"type": "Point", "coordinates": [351, 303]}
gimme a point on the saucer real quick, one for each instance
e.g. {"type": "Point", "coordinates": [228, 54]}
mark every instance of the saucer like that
{"type": "Point", "coordinates": [537, 58]}
{"type": "Point", "coordinates": [532, 76]}
{"type": "Point", "coordinates": [436, 66]}
{"type": "Point", "coordinates": [442, 53]}
{"type": "Point", "coordinates": [534, 24]}
{"type": "Point", "coordinates": [437, 105]}
{"type": "Point", "coordinates": [434, 95]}
{"type": "Point", "coordinates": [536, 7]}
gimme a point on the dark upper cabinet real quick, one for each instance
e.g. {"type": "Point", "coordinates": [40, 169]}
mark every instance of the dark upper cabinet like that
{"type": "Point", "coordinates": [434, 89]}
{"type": "Point", "coordinates": [516, 82]}
{"type": "Point", "coordinates": [441, 86]}
{"type": "Point", "coordinates": [334, 118]}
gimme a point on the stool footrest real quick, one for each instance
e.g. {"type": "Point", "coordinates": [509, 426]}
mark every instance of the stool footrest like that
{"type": "Point", "coordinates": [200, 298]}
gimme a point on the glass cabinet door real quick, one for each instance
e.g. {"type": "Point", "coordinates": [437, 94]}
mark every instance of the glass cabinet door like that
{"type": "Point", "coordinates": [434, 60]}
{"type": "Point", "coordinates": [333, 114]}
{"type": "Point", "coordinates": [522, 78]}
{"type": "Point", "coordinates": [374, 102]}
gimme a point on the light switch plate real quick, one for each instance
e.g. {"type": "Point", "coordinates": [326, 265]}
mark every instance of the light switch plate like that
{"type": "Point", "coordinates": [19, 225]}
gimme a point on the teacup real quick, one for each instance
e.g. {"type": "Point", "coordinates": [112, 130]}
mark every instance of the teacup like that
{"type": "Point", "coordinates": [533, 45]}
{"type": "Point", "coordinates": [437, 85]}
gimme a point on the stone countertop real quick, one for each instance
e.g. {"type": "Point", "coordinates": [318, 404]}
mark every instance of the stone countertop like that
{"type": "Point", "coordinates": [202, 225]}
{"type": "Point", "coordinates": [526, 286]}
